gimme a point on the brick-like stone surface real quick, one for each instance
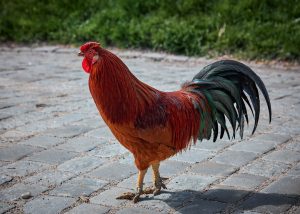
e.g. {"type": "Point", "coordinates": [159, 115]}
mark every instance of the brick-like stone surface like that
{"type": "Point", "coordinates": [213, 169]}
{"type": "Point", "coordinates": [244, 181]}
{"type": "Point", "coordinates": [235, 158]}
{"type": "Point", "coordinates": [202, 206]}
{"type": "Point", "coordinates": [16, 152]}
{"type": "Point", "coordinates": [80, 164]}
{"type": "Point", "coordinates": [88, 208]}
{"type": "Point", "coordinates": [4, 207]}
{"type": "Point", "coordinates": [190, 182]}
{"type": "Point", "coordinates": [193, 156]}
{"type": "Point", "coordinates": [77, 187]}
{"type": "Point", "coordinates": [47, 205]}
{"type": "Point", "coordinates": [113, 171]}
{"type": "Point", "coordinates": [14, 192]}
{"type": "Point", "coordinates": [136, 210]}
{"type": "Point", "coordinates": [43, 141]}
{"type": "Point", "coordinates": [268, 203]}
{"type": "Point", "coordinates": [265, 168]}
{"type": "Point", "coordinates": [285, 156]}
{"type": "Point", "coordinates": [80, 144]}
{"type": "Point", "coordinates": [53, 137]}
{"type": "Point", "coordinates": [52, 156]}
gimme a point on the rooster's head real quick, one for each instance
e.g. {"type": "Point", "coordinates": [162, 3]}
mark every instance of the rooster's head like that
{"type": "Point", "coordinates": [90, 52]}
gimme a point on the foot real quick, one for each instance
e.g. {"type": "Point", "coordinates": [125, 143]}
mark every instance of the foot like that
{"type": "Point", "coordinates": [135, 197]}
{"type": "Point", "coordinates": [156, 189]}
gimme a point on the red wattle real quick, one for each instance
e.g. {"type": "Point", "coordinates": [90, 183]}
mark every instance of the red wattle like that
{"type": "Point", "coordinates": [86, 65]}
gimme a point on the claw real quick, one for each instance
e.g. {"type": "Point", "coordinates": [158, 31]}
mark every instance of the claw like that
{"type": "Point", "coordinates": [127, 196]}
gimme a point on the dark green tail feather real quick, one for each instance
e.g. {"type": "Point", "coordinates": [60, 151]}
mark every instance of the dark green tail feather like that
{"type": "Point", "coordinates": [225, 85]}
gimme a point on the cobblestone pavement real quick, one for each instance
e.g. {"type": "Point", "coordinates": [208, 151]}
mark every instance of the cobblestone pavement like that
{"type": "Point", "coordinates": [57, 155]}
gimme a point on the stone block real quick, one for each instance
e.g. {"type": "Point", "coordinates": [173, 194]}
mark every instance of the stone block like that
{"type": "Point", "coordinates": [235, 158]}
{"type": "Point", "coordinates": [88, 208]}
{"type": "Point", "coordinates": [16, 152]}
{"type": "Point", "coordinates": [193, 156]}
{"type": "Point", "coordinates": [244, 181]}
{"type": "Point", "coordinates": [210, 168]}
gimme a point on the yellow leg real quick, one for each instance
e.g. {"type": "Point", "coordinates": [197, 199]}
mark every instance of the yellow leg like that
{"type": "Point", "coordinates": [157, 181]}
{"type": "Point", "coordinates": [139, 188]}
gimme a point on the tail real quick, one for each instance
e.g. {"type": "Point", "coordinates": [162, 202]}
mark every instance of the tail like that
{"type": "Point", "coordinates": [225, 84]}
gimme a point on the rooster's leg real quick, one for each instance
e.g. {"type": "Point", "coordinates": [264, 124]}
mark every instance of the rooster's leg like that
{"type": "Point", "coordinates": [157, 181]}
{"type": "Point", "coordinates": [139, 189]}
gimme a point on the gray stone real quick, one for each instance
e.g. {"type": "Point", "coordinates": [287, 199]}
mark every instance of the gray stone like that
{"type": "Point", "coordinates": [136, 210]}
{"type": "Point", "coordinates": [193, 156]}
{"type": "Point", "coordinates": [190, 182]}
{"type": "Point", "coordinates": [16, 152]}
{"type": "Point", "coordinates": [212, 146]}
{"type": "Point", "coordinates": [109, 150]}
{"type": "Point", "coordinates": [289, 186]}
{"type": "Point", "coordinates": [213, 169]}
{"type": "Point", "coordinates": [171, 168]}
{"type": "Point", "coordinates": [49, 178]}
{"type": "Point", "coordinates": [223, 193]}
{"type": "Point", "coordinates": [235, 158]}
{"type": "Point", "coordinates": [102, 132]}
{"type": "Point", "coordinates": [285, 156]}
{"type": "Point", "coordinates": [113, 171]}
{"type": "Point", "coordinates": [52, 156]}
{"type": "Point", "coordinates": [43, 141]}
{"type": "Point", "coordinates": [78, 186]}
{"type": "Point", "coordinates": [15, 192]}
{"type": "Point", "coordinates": [80, 144]}
{"type": "Point", "coordinates": [47, 205]}
{"type": "Point", "coordinates": [22, 168]}
{"type": "Point", "coordinates": [67, 131]}
{"type": "Point", "coordinates": [244, 181]}
{"type": "Point", "coordinates": [80, 164]}
{"type": "Point", "coordinates": [88, 208]}
{"type": "Point", "coordinates": [265, 168]}
{"type": "Point", "coordinates": [202, 206]}
{"type": "Point", "coordinates": [108, 197]}
{"type": "Point", "coordinates": [5, 207]}
{"type": "Point", "coordinates": [253, 146]}
{"type": "Point", "coordinates": [274, 138]}
{"type": "Point", "coordinates": [130, 183]}
{"type": "Point", "coordinates": [294, 146]}
{"type": "Point", "coordinates": [295, 171]}
{"type": "Point", "coordinates": [4, 179]}
{"type": "Point", "coordinates": [267, 203]}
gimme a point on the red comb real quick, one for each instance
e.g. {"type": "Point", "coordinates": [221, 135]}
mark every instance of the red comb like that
{"type": "Point", "coordinates": [89, 45]}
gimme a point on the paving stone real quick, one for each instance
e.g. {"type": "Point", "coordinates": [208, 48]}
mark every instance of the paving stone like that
{"type": "Point", "coordinates": [294, 146]}
{"type": "Point", "coordinates": [295, 171]}
{"type": "Point", "coordinates": [193, 156]}
{"type": "Point", "coordinates": [14, 192]}
{"type": "Point", "coordinates": [136, 210]}
{"type": "Point", "coordinates": [113, 171]}
{"type": "Point", "coordinates": [5, 207]}
{"type": "Point", "coordinates": [52, 156]}
{"type": "Point", "coordinates": [265, 168]}
{"type": "Point", "coordinates": [80, 164]}
{"type": "Point", "coordinates": [190, 182]}
{"type": "Point", "coordinates": [22, 168]}
{"type": "Point", "coordinates": [253, 146]}
{"type": "Point", "coordinates": [16, 152]}
{"type": "Point", "coordinates": [78, 186]}
{"type": "Point", "coordinates": [235, 158]}
{"type": "Point", "coordinates": [47, 205]}
{"type": "Point", "coordinates": [109, 150]}
{"type": "Point", "coordinates": [223, 193]}
{"type": "Point", "coordinates": [285, 156]}
{"type": "Point", "coordinates": [267, 203]}
{"type": "Point", "coordinates": [49, 178]}
{"type": "Point", "coordinates": [43, 141]}
{"type": "Point", "coordinates": [213, 169]}
{"type": "Point", "coordinates": [202, 206]}
{"type": "Point", "coordinates": [274, 138]}
{"type": "Point", "coordinates": [171, 168]}
{"type": "Point", "coordinates": [244, 181]}
{"type": "Point", "coordinates": [4, 179]}
{"type": "Point", "coordinates": [102, 132]}
{"type": "Point", "coordinates": [80, 144]}
{"type": "Point", "coordinates": [67, 131]}
{"type": "Point", "coordinates": [212, 146]}
{"type": "Point", "coordinates": [289, 185]}
{"type": "Point", "coordinates": [88, 208]}
{"type": "Point", "coordinates": [108, 197]}
{"type": "Point", "coordinates": [130, 183]}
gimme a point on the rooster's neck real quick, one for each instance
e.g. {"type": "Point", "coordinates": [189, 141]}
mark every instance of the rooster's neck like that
{"type": "Point", "coordinates": [118, 94]}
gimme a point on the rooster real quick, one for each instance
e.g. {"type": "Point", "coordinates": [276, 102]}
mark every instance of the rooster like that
{"type": "Point", "coordinates": [155, 125]}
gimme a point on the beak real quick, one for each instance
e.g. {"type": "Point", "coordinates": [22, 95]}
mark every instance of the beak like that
{"type": "Point", "coordinates": [80, 54]}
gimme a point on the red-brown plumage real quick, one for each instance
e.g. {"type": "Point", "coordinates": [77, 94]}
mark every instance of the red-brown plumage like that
{"type": "Point", "coordinates": [152, 124]}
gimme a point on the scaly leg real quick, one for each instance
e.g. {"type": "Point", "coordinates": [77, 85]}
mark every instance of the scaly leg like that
{"type": "Point", "coordinates": [157, 181]}
{"type": "Point", "coordinates": [139, 189]}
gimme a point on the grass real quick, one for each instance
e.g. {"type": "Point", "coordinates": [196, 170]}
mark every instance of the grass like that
{"type": "Point", "coordinates": [254, 29]}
